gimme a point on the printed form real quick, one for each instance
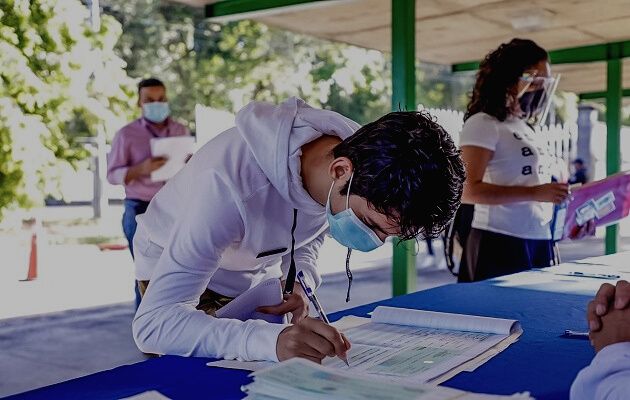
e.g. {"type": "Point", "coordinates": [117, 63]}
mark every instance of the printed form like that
{"type": "Point", "coordinates": [299, 379]}
{"type": "Point", "coordinates": [422, 346]}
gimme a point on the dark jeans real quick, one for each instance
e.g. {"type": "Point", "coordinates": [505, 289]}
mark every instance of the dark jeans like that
{"type": "Point", "coordinates": [133, 207]}
{"type": "Point", "coordinates": [490, 254]}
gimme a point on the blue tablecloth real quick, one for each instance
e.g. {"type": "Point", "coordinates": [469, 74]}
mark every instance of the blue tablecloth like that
{"type": "Point", "coordinates": [540, 362]}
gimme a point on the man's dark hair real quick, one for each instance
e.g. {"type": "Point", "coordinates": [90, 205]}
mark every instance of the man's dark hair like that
{"type": "Point", "coordinates": [495, 88]}
{"type": "Point", "coordinates": [407, 167]}
{"type": "Point", "coordinates": [150, 82]}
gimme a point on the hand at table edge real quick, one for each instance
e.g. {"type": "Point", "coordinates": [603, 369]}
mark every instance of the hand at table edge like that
{"type": "Point", "coordinates": [607, 297]}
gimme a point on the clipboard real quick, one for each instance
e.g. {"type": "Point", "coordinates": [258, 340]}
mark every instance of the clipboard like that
{"type": "Point", "coordinates": [605, 201]}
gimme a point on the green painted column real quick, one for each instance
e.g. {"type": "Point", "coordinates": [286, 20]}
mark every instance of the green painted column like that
{"type": "Point", "coordinates": [613, 129]}
{"type": "Point", "coordinates": [403, 97]}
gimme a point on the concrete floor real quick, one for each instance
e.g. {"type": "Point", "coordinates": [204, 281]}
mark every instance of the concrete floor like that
{"type": "Point", "coordinates": [48, 348]}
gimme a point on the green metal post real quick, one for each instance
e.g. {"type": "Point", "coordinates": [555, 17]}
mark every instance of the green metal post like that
{"type": "Point", "coordinates": [403, 97]}
{"type": "Point", "coordinates": [613, 130]}
{"type": "Point", "coordinates": [601, 95]}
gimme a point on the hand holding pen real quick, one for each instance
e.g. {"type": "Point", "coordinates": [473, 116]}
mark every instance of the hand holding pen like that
{"type": "Point", "coordinates": [318, 307]}
{"type": "Point", "coordinates": [312, 339]}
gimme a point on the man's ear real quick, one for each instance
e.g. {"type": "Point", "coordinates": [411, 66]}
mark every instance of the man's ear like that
{"type": "Point", "coordinates": [340, 168]}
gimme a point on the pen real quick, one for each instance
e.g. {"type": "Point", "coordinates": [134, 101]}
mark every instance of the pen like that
{"type": "Point", "coordinates": [576, 334]}
{"type": "Point", "coordinates": [318, 307]}
{"type": "Point", "coordinates": [593, 275]}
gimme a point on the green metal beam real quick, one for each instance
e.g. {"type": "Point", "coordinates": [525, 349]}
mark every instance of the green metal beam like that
{"type": "Point", "coordinates": [613, 132]}
{"type": "Point", "coordinates": [572, 55]}
{"type": "Point", "coordinates": [601, 95]}
{"type": "Point", "coordinates": [403, 97]}
{"type": "Point", "coordinates": [240, 9]}
{"type": "Point", "coordinates": [465, 66]}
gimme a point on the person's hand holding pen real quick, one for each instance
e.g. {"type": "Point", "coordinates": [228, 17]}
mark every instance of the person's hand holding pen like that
{"type": "Point", "coordinates": [311, 339]}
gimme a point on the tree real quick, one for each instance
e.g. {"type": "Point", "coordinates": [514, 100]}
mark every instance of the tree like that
{"type": "Point", "coordinates": [60, 80]}
{"type": "Point", "coordinates": [227, 65]}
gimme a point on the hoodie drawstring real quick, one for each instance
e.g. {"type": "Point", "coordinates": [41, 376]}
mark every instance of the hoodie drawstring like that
{"type": "Point", "coordinates": [288, 286]}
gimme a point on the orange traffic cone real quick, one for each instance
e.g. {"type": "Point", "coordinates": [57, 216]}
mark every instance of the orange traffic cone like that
{"type": "Point", "coordinates": [32, 261]}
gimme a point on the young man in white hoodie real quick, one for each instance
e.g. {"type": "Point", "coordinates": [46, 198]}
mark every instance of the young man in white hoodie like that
{"type": "Point", "coordinates": [258, 199]}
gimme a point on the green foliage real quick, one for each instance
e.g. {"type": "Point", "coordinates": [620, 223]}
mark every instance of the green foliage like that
{"type": "Point", "coordinates": [60, 80]}
{"type": "Point", "coordinates": [226, 66]}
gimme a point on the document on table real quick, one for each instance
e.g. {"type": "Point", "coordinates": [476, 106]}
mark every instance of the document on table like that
{"type": "Point", "coordinates": [422, 346]}
{"type": "Point", "coordinates": [176, 149]}
{"type": "Point", "coordinates": [413, 345]}
{"type": "Point", "coordinates": [298, 379]}
{"type": "Point", "coordinates": [150, 395]}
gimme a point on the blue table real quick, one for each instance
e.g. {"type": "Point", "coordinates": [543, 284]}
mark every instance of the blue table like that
{"type": "Point", "coordinates": [541, 362]}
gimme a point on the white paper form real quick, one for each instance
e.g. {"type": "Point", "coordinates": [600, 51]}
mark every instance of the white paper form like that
{"type": "Point", "coordinates": [298, 379]}
{"type": "Point", "coordinates": [150, 395]}
{"type": "Point", "coordinates": [558, 279]}
{"type": "Point", "coordinates": [419, 345]}
{"type": "Point", "coordinates": [176, 149]}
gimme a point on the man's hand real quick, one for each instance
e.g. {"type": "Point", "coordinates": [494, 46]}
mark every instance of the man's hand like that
{"type": "Point", "coordinates": [295, 303]}
{"type": "Point", "coordinates": [144, 168]}
{"type": "Point", "coordinates": [607, 296]}
{"type": "Point", "coordinates": [615, 329]}
{"type": "Point", "coordinates": [151, 164]}
{"type": "Point", "coordinates": [311, 339]}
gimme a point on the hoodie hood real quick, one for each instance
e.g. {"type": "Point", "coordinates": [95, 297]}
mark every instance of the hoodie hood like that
{"type": "Point", "coordinates": [275, 135]}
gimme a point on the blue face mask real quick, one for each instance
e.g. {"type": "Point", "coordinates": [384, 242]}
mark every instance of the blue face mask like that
{"type": "Point", "coordinates": [347, 229]}
{"type": "Point", "coordinates": [156, 111]}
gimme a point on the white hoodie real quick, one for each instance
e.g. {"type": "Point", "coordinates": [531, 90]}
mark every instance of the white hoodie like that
{"type": "Point", "coordinates": [608, 376]}
{"type": "Point", "coordinates": [209, 225]}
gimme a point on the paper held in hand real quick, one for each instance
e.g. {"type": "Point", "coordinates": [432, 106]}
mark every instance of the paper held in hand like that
{"type": "Point", "coordinates": [176, 149]}
{"type": "Point", "coordinates": [299, 379]}
{"type": "Point", "coordinates": [243, 307]}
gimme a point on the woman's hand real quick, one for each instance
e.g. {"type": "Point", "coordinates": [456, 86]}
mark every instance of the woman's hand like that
{"type": "Point", "coordinates": [579, 232]}
{"type": "Point", "coordinates": [551, 192]}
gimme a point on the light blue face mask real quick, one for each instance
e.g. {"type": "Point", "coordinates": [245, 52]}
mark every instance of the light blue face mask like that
{"type": "Point", "coordinates": [347, 229]}
{"type": "Point", "coordinates": [156, 111]}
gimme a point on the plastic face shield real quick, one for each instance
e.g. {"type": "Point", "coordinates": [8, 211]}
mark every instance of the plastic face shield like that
{"type": "Point", "coordinates": [536, 98]}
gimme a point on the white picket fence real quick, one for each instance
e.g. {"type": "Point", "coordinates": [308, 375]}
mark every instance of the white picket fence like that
{"type": "Point", "coordinates": [561, 139]}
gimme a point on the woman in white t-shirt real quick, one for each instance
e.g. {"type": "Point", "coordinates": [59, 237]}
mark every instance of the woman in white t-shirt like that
{"type": "Point", "coordinates": [508, 166]}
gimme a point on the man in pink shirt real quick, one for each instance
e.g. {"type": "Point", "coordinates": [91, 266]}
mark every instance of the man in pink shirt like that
{"type": "Point", "coordinates": [130, 162]}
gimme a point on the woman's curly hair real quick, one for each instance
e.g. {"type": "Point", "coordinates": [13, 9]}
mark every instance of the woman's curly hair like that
{"type": "Point", "coordinates": [407, 167]}
{"type": "Point", "coordinates": [495, 88]}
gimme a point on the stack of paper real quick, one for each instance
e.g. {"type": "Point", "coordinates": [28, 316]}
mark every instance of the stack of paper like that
{"type": "Point", "coordinates": [298, 379]}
